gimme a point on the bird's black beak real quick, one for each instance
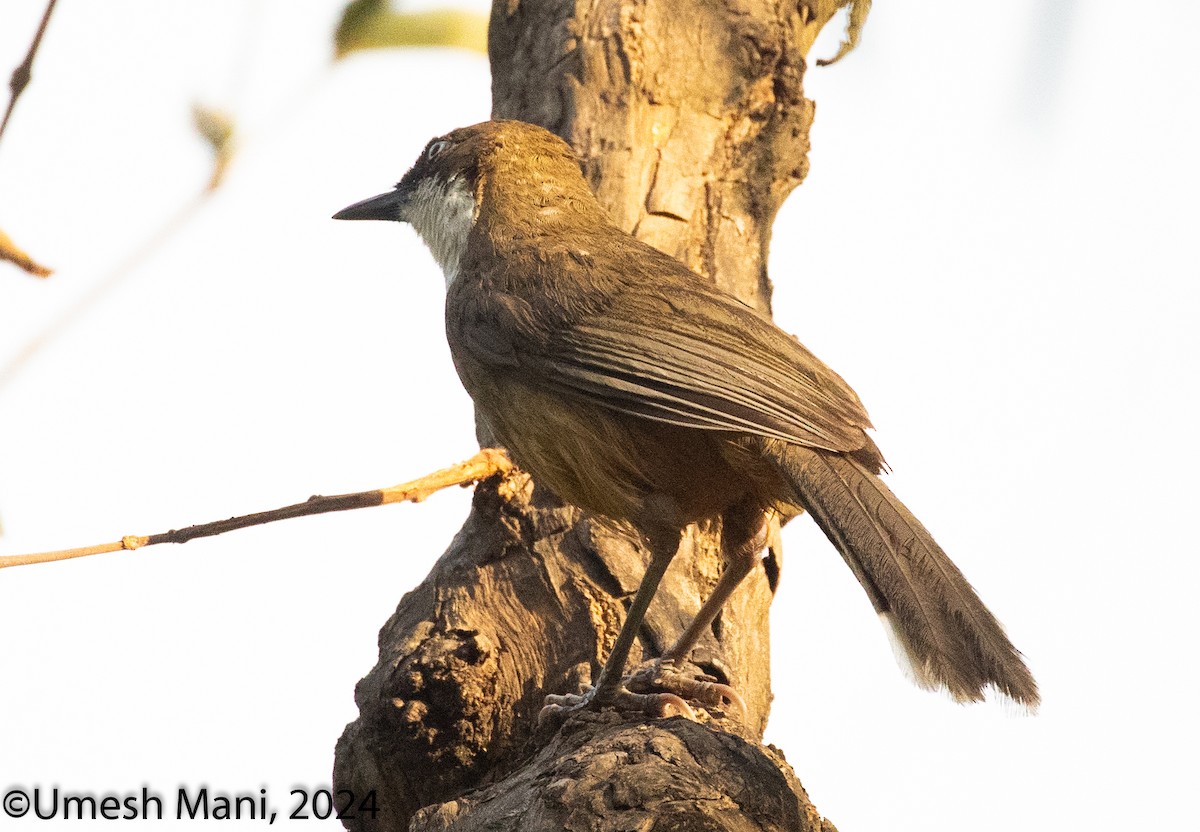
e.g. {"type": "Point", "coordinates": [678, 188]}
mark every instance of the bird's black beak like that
{"type": "Point", "coordinates": [389, 206]}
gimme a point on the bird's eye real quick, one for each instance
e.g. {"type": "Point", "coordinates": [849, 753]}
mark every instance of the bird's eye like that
{"type": "Point", "coordinates": [436, 148]}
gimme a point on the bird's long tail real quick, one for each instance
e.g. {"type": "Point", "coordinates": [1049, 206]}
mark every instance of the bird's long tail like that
{"type": "Point", "coordinates": [937, 621]}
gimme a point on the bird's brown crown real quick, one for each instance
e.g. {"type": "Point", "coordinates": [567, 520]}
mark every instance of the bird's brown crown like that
{"type": "Point", "coordinates": [517, 173]}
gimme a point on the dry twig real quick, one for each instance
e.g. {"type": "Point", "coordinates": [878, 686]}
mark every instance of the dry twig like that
{"type": "Point", "coordinates": [11, 252]}
{"type": "Point", "coordinates": [82, 304]}
{"type": "Point", "coordinates": [484, 464]}
{"type": "Point", "coordinates": [24, 71]}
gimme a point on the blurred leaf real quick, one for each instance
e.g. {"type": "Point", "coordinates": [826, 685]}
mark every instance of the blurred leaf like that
{"type": "Point", "coordinates": [357, 18]}
{"type": "Point", "coordinates": [216, 128]}
{"type": "Point", "coordinates": [10, 252]}
{"type": "Point", "coordinates": [372, 24]}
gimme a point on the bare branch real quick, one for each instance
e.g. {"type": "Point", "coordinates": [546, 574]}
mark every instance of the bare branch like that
{"type": "Point", "coordinates": [24, 71]}
{"type": "Point", "coordinates": [488, 462]}
{"type": "Point", "coordinates": [14, 254]}
{"type": "Point", "coordinates": [9, 371]}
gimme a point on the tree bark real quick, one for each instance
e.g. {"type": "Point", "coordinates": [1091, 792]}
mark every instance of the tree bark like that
{"type": "Point", "coordinates": [690, 121]}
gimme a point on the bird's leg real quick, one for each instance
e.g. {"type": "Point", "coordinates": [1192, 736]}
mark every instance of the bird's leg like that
{"type": "Point", "coordinates": [735, 570]}
{"type": "Point", "coordinates": [609, 689]}
{"type": "Point", "coordinates": [661, 554]}
{"type": "Point", "coordinates": [743, 536]}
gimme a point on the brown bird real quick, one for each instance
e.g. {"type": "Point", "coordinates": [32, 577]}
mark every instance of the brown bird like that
{"type": "Point", "coordinates": [637, 390]}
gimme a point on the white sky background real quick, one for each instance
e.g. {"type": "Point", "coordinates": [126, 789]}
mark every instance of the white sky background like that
{"type": "Point", "coordinates": [996, 246]}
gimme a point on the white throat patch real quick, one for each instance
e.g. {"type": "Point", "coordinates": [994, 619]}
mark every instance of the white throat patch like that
{"type": "Point", "coordinates": [443, 217]}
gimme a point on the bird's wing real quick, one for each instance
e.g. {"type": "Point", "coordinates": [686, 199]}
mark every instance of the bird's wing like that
{"type": "Point", "coordinates": [701, 359]}
{"type": "Point", "coordinates": [678, 351]}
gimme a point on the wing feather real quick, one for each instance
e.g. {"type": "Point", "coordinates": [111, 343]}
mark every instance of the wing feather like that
{"type": "Point", "coordinates": [674, 349]}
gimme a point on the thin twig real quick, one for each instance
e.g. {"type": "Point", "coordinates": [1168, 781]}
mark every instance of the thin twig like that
{"type": "Point", "coordinates": [24, 71]}
{"type": "Point", "coordinates": [484, 464]}
{"type": "Point", "coordinates": [10, 252]}
{"type": "Point", "coordinates": [162, 236]}
{"type": "Point", "coordinates": [67, 318]}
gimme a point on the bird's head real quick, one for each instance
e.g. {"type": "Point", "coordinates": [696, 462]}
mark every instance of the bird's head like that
{"type": "Point", "coordinates": [518, 177]}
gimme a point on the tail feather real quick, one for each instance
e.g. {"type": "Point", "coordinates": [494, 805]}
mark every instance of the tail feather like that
{"type": "Point", "coordinates": [950, 638]}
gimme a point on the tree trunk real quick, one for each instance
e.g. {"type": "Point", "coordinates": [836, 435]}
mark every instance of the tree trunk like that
{"type": "Point", "coordinates": [691, 122]}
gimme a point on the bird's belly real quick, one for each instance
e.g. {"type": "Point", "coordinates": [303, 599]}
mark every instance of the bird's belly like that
{"type": "Point", "coordinates": [608, 462]}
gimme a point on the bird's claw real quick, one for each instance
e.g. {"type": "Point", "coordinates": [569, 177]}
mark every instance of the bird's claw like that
{"type": "Point", "coordinates": [663, 675]}
{"type": "Point", "coordinates": [659, 689]}
{"type": "Point", "coordinates": [657, 705]}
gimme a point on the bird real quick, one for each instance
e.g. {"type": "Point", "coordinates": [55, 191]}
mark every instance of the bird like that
{"type": "Point", "coordinates": [638, 391]}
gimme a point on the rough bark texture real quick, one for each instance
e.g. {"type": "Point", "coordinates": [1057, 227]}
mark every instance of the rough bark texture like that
{"type": "Point", "coordinates": [676, 776]}
{"type": "Point", "coordinates": [690, 118]}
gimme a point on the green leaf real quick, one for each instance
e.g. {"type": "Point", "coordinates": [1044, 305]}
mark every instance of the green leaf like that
{"type": "Point", "coordinates": [372, 24]}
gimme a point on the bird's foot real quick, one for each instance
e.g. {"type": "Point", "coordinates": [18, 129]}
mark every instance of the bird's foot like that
{"type": "Point", "coordinates": [667, 677]}
{"type": "Point", "coordinates": [658, 689]}
{"type": "Point", "coordinates": [656, 705]}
